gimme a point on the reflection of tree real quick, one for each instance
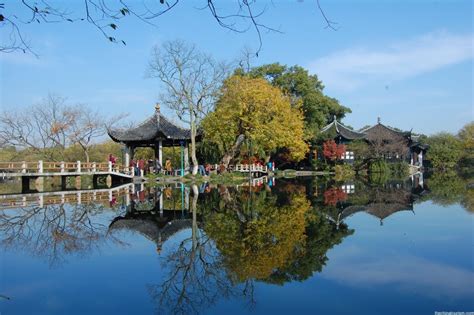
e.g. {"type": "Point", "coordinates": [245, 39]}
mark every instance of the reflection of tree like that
{"type": "Point", "coordinates": [55, 231]}
{"type": "Point", "coordinates": [449, 188]}
{"type": "Point", "coordinates": [322, 235]}
{"type": "Point", "coordinates": [256, 235]}
{"type": "Point", "coordinates": [334, 195]}
{"type": "Point", "coordinates": [196, 279]}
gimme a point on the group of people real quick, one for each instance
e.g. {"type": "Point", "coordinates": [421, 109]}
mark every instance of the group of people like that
{"type": "Point", "coordinates": [204, 170]}
{"type": "Point", "coordinates": [150, 167]}
{"type": "Point", "coordinates": [142, 167]}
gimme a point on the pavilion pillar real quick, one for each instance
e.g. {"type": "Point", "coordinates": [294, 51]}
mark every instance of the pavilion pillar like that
{"type": "Point", "coordinates": [127, 157]}
{"type": "Point", "coordinates": [160, 152]}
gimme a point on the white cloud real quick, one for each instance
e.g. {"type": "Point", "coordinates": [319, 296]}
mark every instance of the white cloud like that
{"type": "Point", "coordinates": [405, 272]}
{"type": "Point", "coordinates": [354, 67]}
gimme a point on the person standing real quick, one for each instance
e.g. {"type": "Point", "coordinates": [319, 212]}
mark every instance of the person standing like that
{"type": "Point", "coordinates": [157, 166]}
{"type": "Point", "coordinates": [141, 167]}
{"type": "Point", "coordinates": [168, 167]}
{"type": "Point", "coordinates": [133, 165]}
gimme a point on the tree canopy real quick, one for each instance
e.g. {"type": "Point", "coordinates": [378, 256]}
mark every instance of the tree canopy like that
{"type": "Point", "coordinates": [305, 89]}
{"type": "Point", "coordinates": [252, 108]}
{"type": "Point", "coordinates": [445, 150]}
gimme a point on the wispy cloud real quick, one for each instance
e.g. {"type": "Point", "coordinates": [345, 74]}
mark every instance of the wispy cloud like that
{"type": "Point", "coordinates": [354, 67]}
{"type": "Point", "coordinates": [405, 272]}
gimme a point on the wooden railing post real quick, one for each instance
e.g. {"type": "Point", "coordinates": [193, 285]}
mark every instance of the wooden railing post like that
{"type": "Point", "coordinates": [94, 167]}
{"type": "Point", "coordinates": [110, 166]}
{"type": "Point", "coordinates": [40, 167]}
{"type": "Point", "coordinates": [23, 167]}
{"type": "Point", "coordinates": [62, 167]}
{"type": "Point", "coordinates": [78, 169]}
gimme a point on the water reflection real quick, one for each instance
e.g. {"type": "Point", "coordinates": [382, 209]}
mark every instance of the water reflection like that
{"type": "Point", "coordinates": [217, 242]}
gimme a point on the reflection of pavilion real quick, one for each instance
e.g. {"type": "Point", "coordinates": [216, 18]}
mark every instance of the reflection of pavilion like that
{"type": "Point", "coordinates": [378, 210]}
{"type": "Point", "coordinates": [382, 202]}
{"type": "Point", "coordinates": [150, 215]}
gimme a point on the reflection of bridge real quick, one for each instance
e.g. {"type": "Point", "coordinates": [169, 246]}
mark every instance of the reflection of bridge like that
{"type": "Point", "coordinates": [41, 199]}
{"type": "Point", "coordinates": [130, 192]}
{"type": "Point", "coordinates": [39, 170]}
{"type": "Point", "coordinates": [253, 182]}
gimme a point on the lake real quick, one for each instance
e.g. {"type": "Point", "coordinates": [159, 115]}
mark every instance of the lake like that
{"type": "Point", "coordinates": [284, 246]}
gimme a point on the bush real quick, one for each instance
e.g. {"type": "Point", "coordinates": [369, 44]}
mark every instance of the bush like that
{"type": "Point", "coordinates": [379, 167]}
{"type": "Point", "coordinates": [343, 172]}
{"type": "Point", "coordinates": [399, 169]}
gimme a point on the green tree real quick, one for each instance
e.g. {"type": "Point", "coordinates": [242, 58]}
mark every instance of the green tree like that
{"type": "Point", "coordinates": [250, 108]}
{"type": "Point", "coordinates": [445, 150]}
{"type": "Point", "coordinates": [295, 81]}
{"type": "Point", "coordinates": [466, 135]}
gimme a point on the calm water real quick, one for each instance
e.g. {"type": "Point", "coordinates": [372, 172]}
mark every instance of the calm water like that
{"type": "Point", "coordinates": [295, 246]}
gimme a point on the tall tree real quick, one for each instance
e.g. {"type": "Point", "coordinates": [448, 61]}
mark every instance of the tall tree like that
{"type": "Point", "coordinates": [190, 80]}
{"type": "Point", "coordinates": [250, 108]}
{"type": "Point", "coordinates": [318, 108]}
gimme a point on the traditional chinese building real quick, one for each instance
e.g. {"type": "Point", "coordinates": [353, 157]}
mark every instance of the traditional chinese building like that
{"type": "Point", "coordinates": [156, 132]}
{"type": "Point", "coordinates": [386, 141]}
{"type": "Point", "coordinates": [342, 135]}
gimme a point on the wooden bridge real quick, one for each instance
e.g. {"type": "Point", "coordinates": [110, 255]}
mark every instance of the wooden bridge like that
{"type": "Point", "coordinates": [39, 170]}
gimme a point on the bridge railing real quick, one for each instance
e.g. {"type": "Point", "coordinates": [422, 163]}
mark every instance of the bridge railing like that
{"type": "Point", "coordinates": [253, 168]}
{"type": "Point", "coordinates": [42, 167]}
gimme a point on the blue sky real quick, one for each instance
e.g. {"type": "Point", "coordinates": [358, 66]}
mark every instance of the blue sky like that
{"type": "Point", "coordinates": [409, 62]}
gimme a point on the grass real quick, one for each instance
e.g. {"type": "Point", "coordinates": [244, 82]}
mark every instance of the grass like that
{"type": "Point", "coordinates": [226, 178]}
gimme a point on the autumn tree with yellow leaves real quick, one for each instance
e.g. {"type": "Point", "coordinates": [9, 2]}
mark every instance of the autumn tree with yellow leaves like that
{"type": "Point", "coordinates": [252, 109]}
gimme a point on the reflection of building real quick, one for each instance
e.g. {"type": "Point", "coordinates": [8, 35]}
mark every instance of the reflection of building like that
{"type": "Point", "coordinates": [393, 144]}
{"type": "Point", "coordinates": [381, 201]}
{"type": "Point", "coordinates": [149, 216]}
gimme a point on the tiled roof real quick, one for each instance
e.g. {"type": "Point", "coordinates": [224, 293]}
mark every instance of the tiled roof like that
{"type": "Point", "coordinates": [155, 127]}
{"type": "Point", "coordinates": [342, 130]}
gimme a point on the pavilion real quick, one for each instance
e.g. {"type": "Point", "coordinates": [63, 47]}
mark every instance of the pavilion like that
{"type": "Point", "coordinates": [156, 131]}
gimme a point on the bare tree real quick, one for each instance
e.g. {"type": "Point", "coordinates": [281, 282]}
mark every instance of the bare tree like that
{"type": "Point", "coordinates": [106, 15]}
{"type": "Point", "coordinates": [387, 145]}
{"type": "Point", "coordinates": [191, 80]}
{"type": "Point", "coordinates": [38, 127]}
{"type": "Point", "coordinates": [52, 124]}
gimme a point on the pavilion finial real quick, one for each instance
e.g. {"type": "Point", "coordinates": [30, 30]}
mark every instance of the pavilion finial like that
{"type": "Point", "coordinates": [334, 118]}
{"type": "Point", "coordinates": [157, 107]}
{"type": "Point", "coordinates": [378, 120]}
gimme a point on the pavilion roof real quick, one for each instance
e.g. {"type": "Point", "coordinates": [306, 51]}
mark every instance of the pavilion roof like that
{"type": "Point", "coordinates": [154, 128]}
{"type": "Point", "coordinates": [342, 130]}
{"type": "Point", "coordinates": [379, 210]}
{"type": "Point", "coordinates": [150, 229]}
{"type": "Point", "coordinates": [386, 132]}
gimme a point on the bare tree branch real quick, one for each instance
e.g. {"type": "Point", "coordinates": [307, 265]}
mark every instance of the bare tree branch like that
{"type": "Point", "coordinates": [105, 16]}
